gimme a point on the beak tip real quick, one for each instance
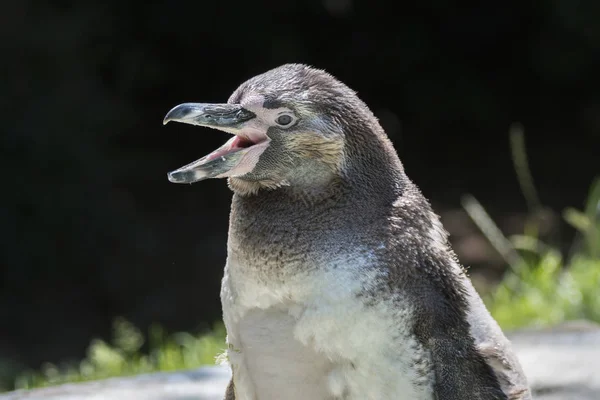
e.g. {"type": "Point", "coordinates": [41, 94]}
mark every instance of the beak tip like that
{"type": "Point", "coordinates": [180, 113]}
{"type": "Point", "coordinates": [184, 176]}
{"type": "Point", "coordinates": [174, 178]}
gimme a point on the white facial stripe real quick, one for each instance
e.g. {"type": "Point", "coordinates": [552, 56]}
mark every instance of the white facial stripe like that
{"type": "Point", "coordinates": [267, 116]}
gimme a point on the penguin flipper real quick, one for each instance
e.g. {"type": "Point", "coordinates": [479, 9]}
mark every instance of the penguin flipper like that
{"type": "Point", "coordinates": [461, 373]}
{"type": "Point", "coordinates": [460, 370]}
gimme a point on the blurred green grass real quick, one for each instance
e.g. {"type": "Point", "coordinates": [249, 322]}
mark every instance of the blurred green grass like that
{"type": "Point", "coordinates": [541, 287]}
{"type": "Point", "coordinates": [123, 356]}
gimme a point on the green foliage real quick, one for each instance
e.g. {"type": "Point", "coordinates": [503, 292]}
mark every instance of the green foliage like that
{"type": "Point", "coordinates": [125, 356]}
{"type": "Point", "coordinates": [546, 293]}
{"type": "Point", "coordinates": [587, 222]}
{"type": "Point", "coordinates": [540, 287]}
{"type": "Point", "coordinates": [545, 289]}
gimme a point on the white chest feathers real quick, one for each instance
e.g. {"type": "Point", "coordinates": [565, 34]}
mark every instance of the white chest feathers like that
{"type": "Point", "coordinates": [316, 337]}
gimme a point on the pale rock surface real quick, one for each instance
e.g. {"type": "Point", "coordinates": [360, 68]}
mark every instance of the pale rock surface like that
{"type": "Point", "coordinates": [562, 363]}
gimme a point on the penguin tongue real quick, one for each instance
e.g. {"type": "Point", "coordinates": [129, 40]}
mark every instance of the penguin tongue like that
{"type": "Point", "coordinates": [236, 157]}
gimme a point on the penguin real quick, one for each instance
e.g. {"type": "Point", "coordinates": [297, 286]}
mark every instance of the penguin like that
{"type": "Point", "coordinates": [340, 282]}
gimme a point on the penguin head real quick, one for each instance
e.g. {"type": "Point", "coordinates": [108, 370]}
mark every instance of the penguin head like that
{"type": "Point", "coordinates": [290, 127]}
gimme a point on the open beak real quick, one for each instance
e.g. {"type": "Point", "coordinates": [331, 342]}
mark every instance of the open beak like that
{"type": "Point", "coordinates": [236, 157]}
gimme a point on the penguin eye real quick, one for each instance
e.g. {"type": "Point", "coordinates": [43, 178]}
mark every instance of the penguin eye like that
{"type": "Point", "coordinates": [284, 120]}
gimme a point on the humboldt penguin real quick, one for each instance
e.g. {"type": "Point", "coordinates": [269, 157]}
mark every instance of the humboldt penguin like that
{"type": "Point", "coordinates": [339, 282]}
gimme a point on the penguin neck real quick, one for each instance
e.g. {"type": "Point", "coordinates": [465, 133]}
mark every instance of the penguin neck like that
{"type": "Point", "coordinates": [372, 176]}
{"type": "Point", "coordinates": [280, 233]}
{"type": "Point", "coordinates": [311, 182]}
{"type": "Point", "coordinates": [354, 201]}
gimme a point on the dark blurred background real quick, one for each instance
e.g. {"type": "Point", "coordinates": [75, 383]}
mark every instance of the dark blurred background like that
{"type": "Point", "coordinates": [91, 228]}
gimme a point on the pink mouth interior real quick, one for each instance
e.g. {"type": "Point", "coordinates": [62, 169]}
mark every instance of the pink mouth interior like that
{"type": "Point", "coordinates": [238, 143]}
